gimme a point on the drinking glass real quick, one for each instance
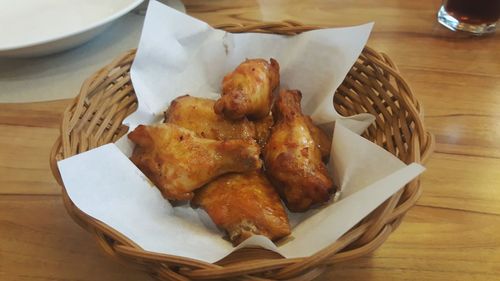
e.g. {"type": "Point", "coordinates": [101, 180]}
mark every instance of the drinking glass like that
{"type": "Point", "coordinates": [475, 16]}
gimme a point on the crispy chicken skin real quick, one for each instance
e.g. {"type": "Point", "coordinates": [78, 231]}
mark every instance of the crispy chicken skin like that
{"type": "Point", "coordinates": [178, 162]}
{"type": "Point", "coordinates": [293, 159]}
{"type": "Point", "coordinates": [248, 90]}
{"type": "Point", "coordinates": [321, 139]}
{"type": "Point", "coordinates": [197, 115]}
{"type": "Point", "coordinates": [244, 205]}
{"type": "Point", "coordinates": [263, 129]}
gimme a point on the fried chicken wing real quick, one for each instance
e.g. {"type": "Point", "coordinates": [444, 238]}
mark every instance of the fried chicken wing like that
{"type": "Point", "coordinates": [247, 91]}
{"type": "Point", "coordinates": [321, 139]}
{"type": "Point", "coordinates": [293, 159]}
{"type": "Point", "coordinates": [244, 205]}
{"type": "Point", "coordinates": [178, 162]}
{"type": "Point", "coordinates": [197, 115]}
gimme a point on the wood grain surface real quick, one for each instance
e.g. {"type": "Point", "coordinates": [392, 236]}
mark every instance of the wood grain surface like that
{"type": "Point", "coordinates": [452, 234]}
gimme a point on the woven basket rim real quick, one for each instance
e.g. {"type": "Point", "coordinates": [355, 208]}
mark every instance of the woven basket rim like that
{"type": "Point", "coordinates": [117, 245]}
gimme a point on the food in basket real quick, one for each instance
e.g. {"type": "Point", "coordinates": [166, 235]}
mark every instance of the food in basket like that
{"type": "Point", "coordinates": [197, 115]}
{"type": "Point", "coordinates": [210, 150]}
{"type": "Point", "coordinates": [244, 205]}
{"type": "Point", "coordinates": [178, 162]}
{"type": "Point", "coordinates": [293, 159]}
{"type": "Point", "coordinates": [248, 90]}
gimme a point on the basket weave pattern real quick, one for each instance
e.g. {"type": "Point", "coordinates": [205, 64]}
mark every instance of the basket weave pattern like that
{"type": "Point", "coordinates": [373, 85]}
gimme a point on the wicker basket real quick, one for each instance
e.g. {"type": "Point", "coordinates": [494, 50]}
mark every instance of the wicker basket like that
{"type": "Point", "coordinates": [373, 85]}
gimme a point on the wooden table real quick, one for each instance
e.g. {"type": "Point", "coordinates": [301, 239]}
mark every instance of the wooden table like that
{"type": "Point", "coordinates": [452, 234]}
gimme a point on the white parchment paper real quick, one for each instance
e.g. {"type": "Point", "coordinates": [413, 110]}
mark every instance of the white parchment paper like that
{"type": "Point", "coordinates": [180, 55]}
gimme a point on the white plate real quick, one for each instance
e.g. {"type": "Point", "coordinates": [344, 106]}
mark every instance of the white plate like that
{"type": "Point", "coordinates": [39, 27]}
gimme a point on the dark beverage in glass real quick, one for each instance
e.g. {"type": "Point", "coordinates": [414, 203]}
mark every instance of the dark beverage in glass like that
{"type": "Point", "coordinates": [476, 16]}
